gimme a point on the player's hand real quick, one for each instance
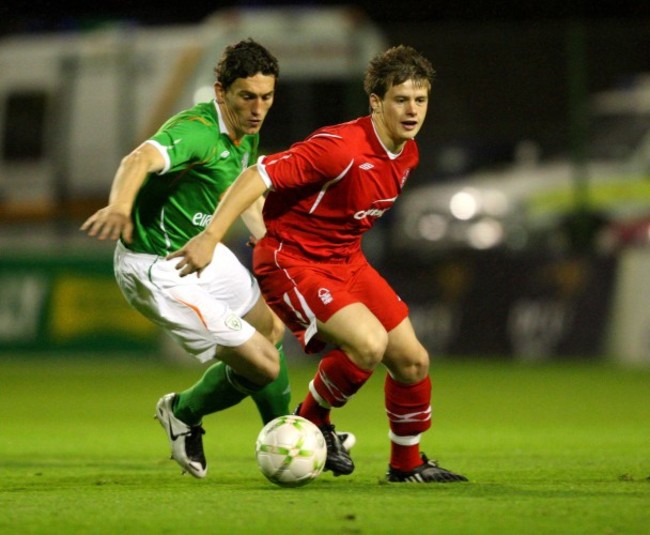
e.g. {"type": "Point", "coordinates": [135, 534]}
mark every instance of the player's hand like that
{"type": "Point", "coordinates": [109, 223]}
{"type": "Point", "coordinates": [195, 255]}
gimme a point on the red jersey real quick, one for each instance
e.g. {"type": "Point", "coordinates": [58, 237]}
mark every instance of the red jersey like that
{"type": "Point", "coordinates": [329, 189]}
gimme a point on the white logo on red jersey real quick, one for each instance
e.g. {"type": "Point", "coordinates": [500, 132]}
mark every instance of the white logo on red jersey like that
{"type": "Point", "coordinates": [325, 296]}
{"type": "Point", "coordinates": [366, 166]}
{"type": "Point", "coordinates": [375, 211]}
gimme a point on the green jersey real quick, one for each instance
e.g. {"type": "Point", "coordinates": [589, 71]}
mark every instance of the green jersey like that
{"type": "Point", "coordinates": [202, 162]}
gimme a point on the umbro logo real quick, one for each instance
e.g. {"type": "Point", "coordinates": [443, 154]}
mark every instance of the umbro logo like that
{"type": "Point", "coordinates": [366, 166]}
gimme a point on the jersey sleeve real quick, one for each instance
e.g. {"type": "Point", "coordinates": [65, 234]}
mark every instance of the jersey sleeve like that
{"type": "Point", "coordinates": [315, 161]}
{"type": "Point", "coordinates": [185, 140]}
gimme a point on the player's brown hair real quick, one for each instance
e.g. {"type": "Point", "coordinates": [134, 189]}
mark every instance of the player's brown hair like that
{"type": "Point", "coordinates": [394, 67]}
{"type": "Point", "coordinates": [244, 59]}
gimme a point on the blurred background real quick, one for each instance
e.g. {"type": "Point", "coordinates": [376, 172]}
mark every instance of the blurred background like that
{"type": "Point", "coordinates": [523, 234]}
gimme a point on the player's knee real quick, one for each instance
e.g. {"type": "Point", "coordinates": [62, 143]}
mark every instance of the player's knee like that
{"type": "Point", "coordinates": [368, 350]}
{"type": "Point", "coordinates": [411, 367]}
{"type": "Point", "coordinates": [258, 360]}
{"type": "Point", "coordinates": [269, 367]}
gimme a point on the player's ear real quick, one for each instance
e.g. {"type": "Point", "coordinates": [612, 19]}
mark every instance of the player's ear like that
{"type": "Point", "coordinates": [375, 103]}
{"type": "Point", "coordinates": [219, 92]}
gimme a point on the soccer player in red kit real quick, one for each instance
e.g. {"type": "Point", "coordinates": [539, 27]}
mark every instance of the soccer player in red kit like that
{"type": "Point", "coordinates": [323, 194]}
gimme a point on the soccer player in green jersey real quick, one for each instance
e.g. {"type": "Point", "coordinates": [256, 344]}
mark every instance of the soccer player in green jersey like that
{"type": "Point", "coordinates": [163, 194]}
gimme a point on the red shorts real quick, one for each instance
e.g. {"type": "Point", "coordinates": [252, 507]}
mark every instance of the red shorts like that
{"type": "Point", "coordinates": [301, 291]}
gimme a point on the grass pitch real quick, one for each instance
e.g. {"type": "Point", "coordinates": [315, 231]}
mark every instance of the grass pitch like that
{"type": "Point", "coordinates": [549, 449]}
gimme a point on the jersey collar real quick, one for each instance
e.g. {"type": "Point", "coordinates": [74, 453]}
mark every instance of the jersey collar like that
{"type": "Point", "coordinates": [222, 124]}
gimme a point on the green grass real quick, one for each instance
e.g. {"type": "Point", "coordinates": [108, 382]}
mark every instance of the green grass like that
{"type": "Point", "coordinates": [549, 449]}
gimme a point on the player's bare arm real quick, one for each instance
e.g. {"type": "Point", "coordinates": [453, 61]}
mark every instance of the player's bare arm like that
{"type": "Point", "coordinates": [253, 219]}
{"type": "Point", "coordinates": [114, 220]}
{"type": "Point", "coordinates": [197, 253]}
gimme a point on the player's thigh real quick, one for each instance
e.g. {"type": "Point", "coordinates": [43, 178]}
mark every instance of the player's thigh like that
{"type": "Point", "coordinates": [265, 321]}
{"type": "Point", "coordinates": [358, 332]}
{"type": "Point", "coordinates": [405, 357]}
{"type": "Point", "coordinates": [373, 290]}
{"type": "Point", "coordinates": [192, 310]}
{"type": "Point", "coordinates": [230, 281]}
{"type": "Point", "coordinates": [256, 359]}
{"type": "Point", "coordinates": [198, 322]}
{"type": "Point", "coordinates": [227, 280]}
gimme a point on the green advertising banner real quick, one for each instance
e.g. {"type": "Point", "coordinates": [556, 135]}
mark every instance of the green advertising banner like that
{"type": "Point", "coordinates": [67, 303]}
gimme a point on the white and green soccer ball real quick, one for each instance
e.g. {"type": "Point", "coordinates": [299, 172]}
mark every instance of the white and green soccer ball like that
{"type": "Point", "coordinates": [290, 451]}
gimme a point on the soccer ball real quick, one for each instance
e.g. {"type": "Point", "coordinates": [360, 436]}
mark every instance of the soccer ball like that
{"type": "Point", "coordinates": [290, 451]}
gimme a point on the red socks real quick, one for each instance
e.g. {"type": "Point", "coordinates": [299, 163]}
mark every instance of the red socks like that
{"type": "Point", "coordinates": [409, 414]}
{"type": "Point", "coordinates": [405, 458]}
{"type": "Point", "coordinates": [336, 381]}
{"type": "Point", "coordinates": [408, 406]}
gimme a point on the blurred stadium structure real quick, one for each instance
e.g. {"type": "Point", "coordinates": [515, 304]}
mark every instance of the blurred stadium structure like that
{"type": "Point", "coordinates": [532, 202]}
{"type": "Point", "coordinates": [72, 103]}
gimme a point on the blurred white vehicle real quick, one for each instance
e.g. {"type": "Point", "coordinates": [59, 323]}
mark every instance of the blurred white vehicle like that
{"type": "Point", "coordinates": [531, 202]}
{"type": "Point", "coordinates": [73, 103]}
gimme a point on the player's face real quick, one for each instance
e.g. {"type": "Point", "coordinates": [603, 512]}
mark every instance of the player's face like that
{"type": "Point", "coordinates": [400, 114]}
{"type": "Point", "coordinates": [245, 103]}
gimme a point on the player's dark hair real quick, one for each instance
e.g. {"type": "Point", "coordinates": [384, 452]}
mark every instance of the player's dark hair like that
{"type": "Point", "coordinates": [244, 59]}
{"type": "Point", "coordinates": [394, 67]}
